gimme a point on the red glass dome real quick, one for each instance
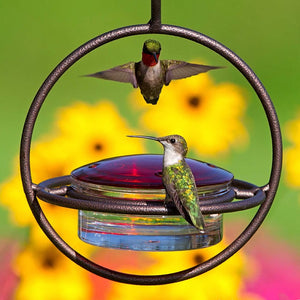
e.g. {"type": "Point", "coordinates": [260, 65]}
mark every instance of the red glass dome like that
{"type": "Point", "coordinates": [145, 171]}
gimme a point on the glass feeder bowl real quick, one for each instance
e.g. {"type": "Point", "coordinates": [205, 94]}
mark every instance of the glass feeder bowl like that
{"type": "Point", "coordinates": [139, 177]}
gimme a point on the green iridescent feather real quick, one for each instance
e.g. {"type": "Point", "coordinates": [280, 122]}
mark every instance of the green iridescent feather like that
{"type": "Point", "coordinates": [181, 188]}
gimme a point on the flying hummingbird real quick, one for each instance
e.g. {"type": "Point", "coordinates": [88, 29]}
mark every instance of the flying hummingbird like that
{"type": "Point", "coordinates": [178, 178]}
{"type": "Point", "coordinates": [150, 74]}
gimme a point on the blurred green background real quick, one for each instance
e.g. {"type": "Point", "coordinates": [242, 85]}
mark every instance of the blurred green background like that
{"type": "Point", "coordinates": [37, 35]}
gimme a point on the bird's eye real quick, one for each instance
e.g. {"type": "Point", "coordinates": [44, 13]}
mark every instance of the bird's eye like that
{"type": "Point", "coordinates": [172, 141]}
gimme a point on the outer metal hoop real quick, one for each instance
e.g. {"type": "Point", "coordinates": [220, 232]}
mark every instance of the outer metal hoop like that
{"type": "Point", "coordinates": [270, 188]}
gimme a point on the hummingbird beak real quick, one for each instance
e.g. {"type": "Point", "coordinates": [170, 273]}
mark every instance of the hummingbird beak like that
{"type": "Point", "coordinates": [144, 137]}
{"type": "Point", "coordinates": [155, 56]}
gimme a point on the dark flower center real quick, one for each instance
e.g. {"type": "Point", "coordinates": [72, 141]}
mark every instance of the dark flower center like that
{"type": "Point", "coordinates": [194, 101]}
{"type": "Point", "coordinates": [198, 258]}
{"type": "Point", "coordinates": [98, 147]}
{"type": "Point", "coordinates": [49, 260]}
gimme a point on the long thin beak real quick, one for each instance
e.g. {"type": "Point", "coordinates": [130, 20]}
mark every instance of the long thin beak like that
{"type": "Point", "coordinates": [144, 137]}
{"type": "Point", "coordinates": [155, 56]}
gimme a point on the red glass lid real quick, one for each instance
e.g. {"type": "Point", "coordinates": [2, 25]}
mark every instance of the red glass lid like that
{"type": "Point", "coordinates": [145, 171]}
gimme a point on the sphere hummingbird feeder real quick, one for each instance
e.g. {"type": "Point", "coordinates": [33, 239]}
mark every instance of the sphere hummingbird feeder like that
{"type": "Point", "coordinates": [121, 200]}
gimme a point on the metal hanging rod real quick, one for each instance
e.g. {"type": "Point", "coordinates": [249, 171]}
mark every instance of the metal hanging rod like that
{"type": "Point", "coordinates": [155, 21]}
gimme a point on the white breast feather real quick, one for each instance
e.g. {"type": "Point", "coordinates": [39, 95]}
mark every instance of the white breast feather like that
{"type": "Point", "coordinates": [151, 72]}
{"type": "Point", "coordinates": [171, 157]}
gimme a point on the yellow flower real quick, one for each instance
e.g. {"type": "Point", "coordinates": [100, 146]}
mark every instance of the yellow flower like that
{"type": "Point", "coordinates": [208, 115]}
{"type": "Point", "coordinates": [13, 197]}
{"type": "Point", "coordinates": [47, 274]}
{"type": "Point", "coordinates": [293, 129]}
{"type": "Point", "coordinates": [64, 220]}
{"type": "Point", "coordinates": [223, 282]}
{"type": "Point", "coordinates": [292, 160]}
{"type": "Point", "coordinates": [84, 133]}
{"type": "Point", "coordinates": [96, 132]}
{"type": "Point", "coordinates": [292, 165]}
{"type": "Point", "coordinates": [51, 156]}
{"type": "Point", "coordinates": [65, 223]}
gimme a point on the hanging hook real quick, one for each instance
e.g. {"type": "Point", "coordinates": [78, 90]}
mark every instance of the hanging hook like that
{"type": "Point", "coordinates": [155, 21]}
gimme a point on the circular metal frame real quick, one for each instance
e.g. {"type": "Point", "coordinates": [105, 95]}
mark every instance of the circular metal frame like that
{"type": "Point", "coordinates": [154, 27]}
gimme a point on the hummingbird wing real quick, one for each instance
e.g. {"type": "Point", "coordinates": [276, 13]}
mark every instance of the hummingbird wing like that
{"type": "Point", "coordinates": [122, 73]}
{"type": "Point", "coordinates": [180, 186]}
{"type": "Point", "coordinates": [172, 194]}
{"type": "Point", "coordinates": [176, 69]}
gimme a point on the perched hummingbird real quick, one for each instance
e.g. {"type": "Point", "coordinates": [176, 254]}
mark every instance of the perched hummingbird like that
{"type": "Point", "coordinates": [150, 74]}
{"type": "Point", "coordinates": [178, 178]}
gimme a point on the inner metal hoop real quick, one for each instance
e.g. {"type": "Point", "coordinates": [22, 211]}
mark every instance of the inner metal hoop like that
{"type": "Point", "coordinates": [58, 191]}
{"type": "Point", "coordinates": [239, 242]}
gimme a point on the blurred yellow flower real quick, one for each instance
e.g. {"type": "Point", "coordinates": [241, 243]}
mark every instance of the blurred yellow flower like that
{"type": "Point", "coordinates": [51, 156]}
{"type": "Point", "coordinates": [95, 132]}
{"type": "Point", "coordinates": [65, 223]}
{"type": "Point", "coordinates": [223, 282]}
{"type": "Point", "coordinates": [292, 158]}
{"type": "Point", "coordinates": [208, 115]}
{"type": "Point", "coordinates": [46, 274]}
{"type": "Point", "coordinates": [84, 133]}
{"type": "Point", "coordinates": [13, 197]}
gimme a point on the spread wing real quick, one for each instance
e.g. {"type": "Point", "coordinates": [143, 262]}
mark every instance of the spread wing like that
{"type": "Point", "coordinates": [123, 73]}
{"type": "Point", "coordinates": [176, 69]}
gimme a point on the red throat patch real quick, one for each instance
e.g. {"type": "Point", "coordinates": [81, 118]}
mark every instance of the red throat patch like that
{"type": "Point", "coordinates": [149, 60]}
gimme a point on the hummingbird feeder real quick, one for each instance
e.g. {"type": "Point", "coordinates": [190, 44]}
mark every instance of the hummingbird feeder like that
{"type": "Point", "coordinates": [121, 200]}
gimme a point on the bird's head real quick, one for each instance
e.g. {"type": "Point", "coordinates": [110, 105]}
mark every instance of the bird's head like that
{"type": "Point", "coordinates": [172, 143]}
{"type": "Point", "coordinates": [175, 143]}
{"type": "Point", "coordinates": [151, 52]}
